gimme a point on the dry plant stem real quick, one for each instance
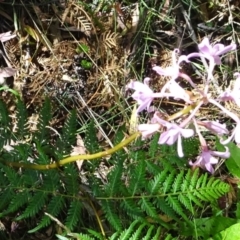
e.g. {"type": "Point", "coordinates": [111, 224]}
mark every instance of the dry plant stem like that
{"type": "Point", "coordinates": [95, 155]}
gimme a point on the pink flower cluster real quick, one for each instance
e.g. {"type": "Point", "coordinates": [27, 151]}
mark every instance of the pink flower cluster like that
{"type": "Point", "coordinates": [174, 132]}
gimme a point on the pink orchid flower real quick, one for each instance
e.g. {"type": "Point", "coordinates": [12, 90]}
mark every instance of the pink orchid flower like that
{"type": "Point", "coordinates": [6, 72]}
{"type": "Point", "coordinates": [212, 53]}
{"type": "Point", "coordinates": [207, 158]}
{"type": "Point", "coordinates": [215, 127]}
{"type": "Point", "coordinates": [235, 134]}
{"type": "Point", "coordinates": [172, 71]}
{"type": "Point", "coordinates": [172, 134]}
{"type": "Point", "coordinates": [234, 94]}
{"type": "Point", "coordinates": [177, 92]}
{"type": "Point", "coordinates": [6, 36]}
{"type": "Point", "coordinates": [143, 94]}
{"type": "Point", "coordinates": [147, 130]}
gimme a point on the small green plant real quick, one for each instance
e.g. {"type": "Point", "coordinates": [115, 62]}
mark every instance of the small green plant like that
{"type": "Point", "coordinates": [82, 48]}
{"type": "Point", "coordinates": [86, 64]}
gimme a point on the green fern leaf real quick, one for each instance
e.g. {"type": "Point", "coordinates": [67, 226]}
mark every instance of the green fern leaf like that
{"type": "Point", "coordinates": [114, 177]}
{"type": "Point", "coordinates": [71, 180]}
{"type": "Point", "coordinates": [42, 157]}
{"type": "Point", "coordinates": [11, 175]}
{"type": "Point", "coordinates": [74, 214]}
{"type": "Point", "coordinates": [162, 204]}
{"type": "Point", "coordinates": [148, 207]}
{"type": "Point", "coordinates": [149, 233]}
{"type": "Point", "coordinates": [138, 233]}
{"type": "Point", "coordinates": [43, 133]}
{"type": "Point", "coordinates": [35, 205]}
{"type": "Point", "coordinates": [54, 207]}
{"type": "Point", "coordinates": [194, 179]}
{"type": "Point", "coordinates": [137, 178]}
{"type": "Point", "coordinates": [168, 181]}
{"type": "Point", "coordinates": [91, 141]}
{"type": "Point", "coordinates": [68, 137]}
{"type": "Point", "coordinates": [157, 235]}
{"type": "Point", "coordinates": [125, 235]}
{"type": "Point", "coordinates": [6, 197]}
{"type": "Point", "coordinates": [18, 201]}
{"type": "Point", "coordinates": [112, 218]}
{"type": "Point", "coordinates": [186, 202]}
{"type": "Point", "coordinates": [154, 146]}
{"type": "Point", "coordinates": [97, 235]}
{"type": "Point", "coordinates": [175, 204]}
{"type": "Point", "coordinates": [195, 200]}
{"type": "Point", "coordinates": [178, 181]}
{"type": "Point", "coordinates": [81, 236]}
{"type": "Point", "coordinates": [155, 184]}
{"type": "Point", "coordinates": [5, 125]}
{"type": "Point", "coordinates": [131, 208]}
{"type": "Point", "coordinates": [21, 120]}
{"type": "Point", "coordinates": [154, 169]}
{"type": "Point", "coordinates": [186, 182]}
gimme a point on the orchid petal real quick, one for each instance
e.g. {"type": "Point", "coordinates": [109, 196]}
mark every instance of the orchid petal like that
{"type": "Point", "coordinates": [187, 133]}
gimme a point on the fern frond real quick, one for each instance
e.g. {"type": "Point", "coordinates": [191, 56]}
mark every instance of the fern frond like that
{"type": "Point", "coordinates": [130, 206]}
{"type": "Point", "coordinates": [74, 214]}
{"type": "Point", "coordinates": [110, 39]}
{"type": "Point", "coordinates": [21, 120]}
{"type": "Point", "coordinates": [114, 177]}
{"type": "Point", "coordinates": [162, 205]}
{"type": "Point", "coordinates": [68, 137]}
{"type": "Point", "coordinates": [148, 234]}
{"type": "Point", "coordinates": [186, 202]}
{"type": "Point", "coordinates": [154, 146]}
{"type": "Point", "coordinates": [45, 116]}
{"type": "Point", "coordinates": [71, 180]}
{"type": "Point", "coordinates": [138, 230]}
{"type": "Point", "coordinates": [54, 207]}
{"type": "Point", "coordinates": [91, 141]}
{"type": "Point", "coordinates": [5, 125]}
{"type": "Point", "coordinates": [157, 235]}
{"type": "Point", "coordinates": [125, 235]}
{"type": "Point", "coordinates": [137, 178]}
{"type": "Point", "coordinates": [18, 201]}
{"type": "Point", "coordinates": [155, 184]}
{"type": "Point", "coordinates": [51, 180]}
{"type": "Point", "coordinates": [168, 181]}
{"type": "Point", "coordinates": [177, 183]}
{"type": "Point", "coordinates": [148, 207]}
{"type": "Point", "coordinates": [81, 236]}
{"type": "Point", "coordinates": [35, 205]}
{"type": "Point", "coordinates": [175, 204]}
{"type": "Point", "coordinates": [137, 234]}
{"type": "Point", "coordinates": [5, 198]}
{"type": "Point", "coordinates": [11, 175]}
{"type": "Point", "coordinates": [112, 218]}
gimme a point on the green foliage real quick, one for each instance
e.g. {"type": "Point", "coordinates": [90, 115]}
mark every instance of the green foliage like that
{"type": "Point", "coordinates": [144, 185]}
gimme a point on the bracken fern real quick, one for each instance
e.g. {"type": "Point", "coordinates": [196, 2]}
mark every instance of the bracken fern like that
{"type": "Point", "coordinates": [143, 188]}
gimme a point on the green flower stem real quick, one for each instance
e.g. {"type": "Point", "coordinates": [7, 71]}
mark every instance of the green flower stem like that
{"type": "Point", "coordinates": [75, 158]}
{"type": "Point", "coordinates": [95, 155]}
{"type": "Point", "coordinates": [182, 112]}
